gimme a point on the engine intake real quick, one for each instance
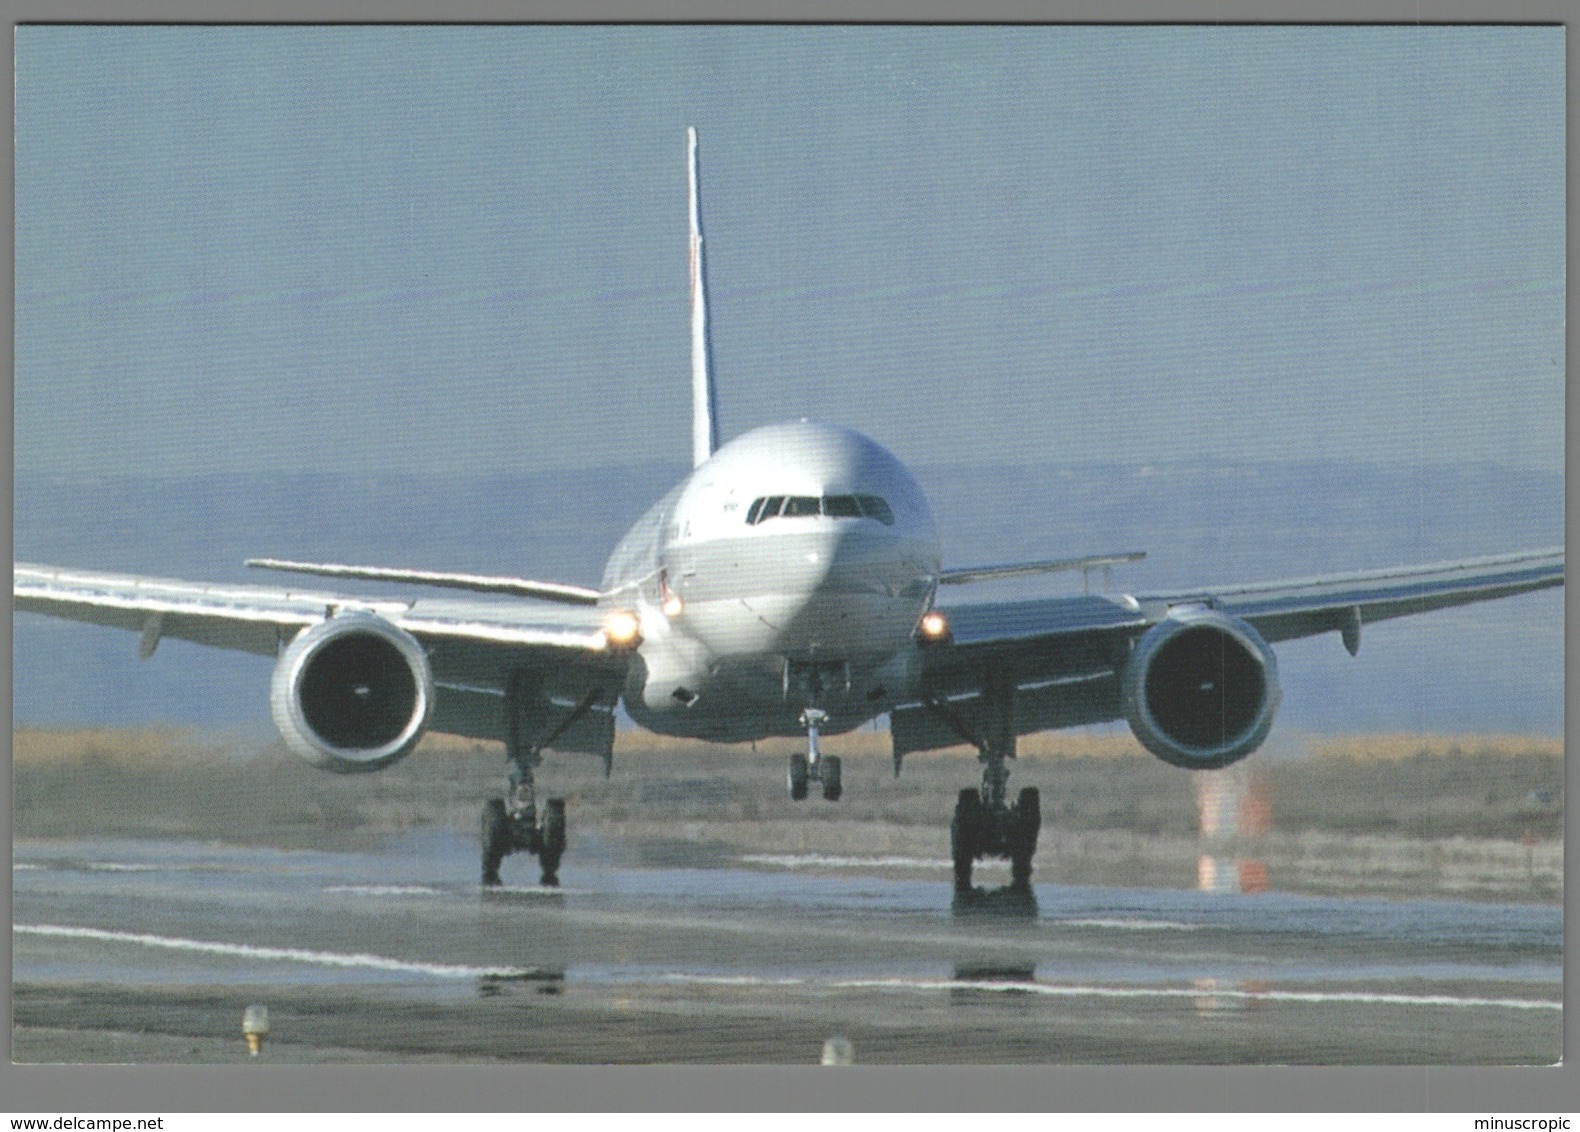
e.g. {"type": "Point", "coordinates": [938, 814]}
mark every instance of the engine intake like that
{"type": "Point", "coordinates": [352, 693]}
{"type": "Point", "coordinates": [1201, 689]}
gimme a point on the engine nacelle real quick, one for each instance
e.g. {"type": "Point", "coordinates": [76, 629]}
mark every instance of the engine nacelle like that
{"type": "Point", "coordinates": [1200, 689]}
{"type": "Point", "coordinates": [352, 693]}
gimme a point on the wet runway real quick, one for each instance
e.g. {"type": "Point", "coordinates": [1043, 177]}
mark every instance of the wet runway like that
{"type": "Point", "coordinates": [148, 950]}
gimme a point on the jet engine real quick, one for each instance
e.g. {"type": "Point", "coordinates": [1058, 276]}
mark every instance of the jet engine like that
{"type": "Point", "coordinates": [352, 693]}
{"type": "Point", "coordinates": [1200, 689]}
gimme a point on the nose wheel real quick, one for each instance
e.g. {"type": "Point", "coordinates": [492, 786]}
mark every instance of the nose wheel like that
{"type": "Point", "coordinates": [814, 766]}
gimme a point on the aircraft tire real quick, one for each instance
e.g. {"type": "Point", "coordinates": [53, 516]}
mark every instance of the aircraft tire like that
{"type": "Point", "coordinates": [830, 770]}
{"type": "Point", "coordinates": [552, 841]}
{"type": "Point", "coordinates": [798, 777]}
{"type": "Point", "coordinates": [496, 837]}
{"type": "Point", "coordinates": [965, 836]}
{"type": "Point", "coordinates": [1028, 824]}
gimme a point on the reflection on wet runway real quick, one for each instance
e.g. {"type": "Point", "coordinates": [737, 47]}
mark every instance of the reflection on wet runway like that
{"type": "Point", "coordinates": [784, 944]}
{"type": "Point", "coordinates": [1233, 806]}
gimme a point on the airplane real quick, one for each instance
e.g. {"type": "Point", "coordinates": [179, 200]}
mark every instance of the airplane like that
{"type": "Point", "coordinates": [788, 586]}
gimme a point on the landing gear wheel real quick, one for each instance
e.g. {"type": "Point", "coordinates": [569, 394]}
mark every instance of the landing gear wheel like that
{"type": "Point", "coordinates": [1028, 823]}
{"type": "Point", "coordinates": [798, 777]}
{"type": "Point", "coordinates": [964, 834]}
{"type": "Point", "coordinates": [551, 838]}
{"type": "Point", "coordinates": [497, 837]}
{"type": "Point", "coordinates": [828, 769]}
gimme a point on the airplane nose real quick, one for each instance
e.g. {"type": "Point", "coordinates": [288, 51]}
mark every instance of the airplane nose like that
{"type": "Point", "coordinates": [819, 564]}
{"type": "Point", "coordinates": [831, 589]}
{"type": "Point", "coordinates": [849, 594]}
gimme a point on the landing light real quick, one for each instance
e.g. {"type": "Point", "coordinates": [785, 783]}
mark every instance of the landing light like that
{"type": "Point", "coordinates": [622, 629]}
{"type": "Point", "coordinates": [934, 627]}
{"type": "Point", "coordinates": [673, 605]}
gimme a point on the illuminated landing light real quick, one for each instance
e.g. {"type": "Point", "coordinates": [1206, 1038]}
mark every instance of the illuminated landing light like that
{"type": "Point", "coordinates": [622, 629]}
{"type": "Point", "coordinates": [673, 606]}
{"type": "Point", "coordinates": [934, 628]}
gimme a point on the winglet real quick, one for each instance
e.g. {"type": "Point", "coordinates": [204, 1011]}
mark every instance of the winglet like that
{"type": "Point", "coordinates": [704, 423]}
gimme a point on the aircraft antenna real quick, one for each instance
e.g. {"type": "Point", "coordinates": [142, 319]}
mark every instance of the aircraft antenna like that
{"type": "Point", "coordinates": [704, 421]}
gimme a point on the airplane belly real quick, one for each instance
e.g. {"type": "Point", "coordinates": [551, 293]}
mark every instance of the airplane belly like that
{"type": "Point", "coordinates": [737, 700]}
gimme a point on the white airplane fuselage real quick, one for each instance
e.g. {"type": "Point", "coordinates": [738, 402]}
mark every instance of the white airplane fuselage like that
{"type": "Point", "coordinates": [749, 617]}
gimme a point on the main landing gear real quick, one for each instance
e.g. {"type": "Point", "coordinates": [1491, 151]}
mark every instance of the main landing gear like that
{"type": "Point", "coordinates": [515, 828]}
{"type": "Point", "coordinates": [985, 824]}
{"type": "Point", "coordinates": [516, 825]}
{"type": "Point", "coordinates": [814, 766]}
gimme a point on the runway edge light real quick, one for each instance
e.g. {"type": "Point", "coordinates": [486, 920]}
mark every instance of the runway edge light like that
{"type": "Point", "coordinates": [255, 1027]}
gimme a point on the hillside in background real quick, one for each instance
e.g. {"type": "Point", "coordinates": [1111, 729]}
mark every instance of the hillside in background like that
{"type": "Point", "coordinates": [1492, 668]}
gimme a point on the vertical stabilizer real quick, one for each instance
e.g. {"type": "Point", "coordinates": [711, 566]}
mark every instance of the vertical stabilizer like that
{"type": "Point", "coordinates": [704, 421]}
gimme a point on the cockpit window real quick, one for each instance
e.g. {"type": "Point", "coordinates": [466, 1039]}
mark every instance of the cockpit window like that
{"type": "Point", "coordinates": [876, 507]}
{"type": "Point", "coordinates": [834, 506]}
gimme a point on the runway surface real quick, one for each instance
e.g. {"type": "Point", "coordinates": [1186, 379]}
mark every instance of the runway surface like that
{"type": "Point", "coordinates": [150, 951]}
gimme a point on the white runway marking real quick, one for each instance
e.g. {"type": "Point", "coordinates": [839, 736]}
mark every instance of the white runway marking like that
{"type": "Point", "coordinates": [530, 890]}
{"type": "Point", "coordinates": [278, 954]}
{"type": "Point", "coordinates": [1128, 925]}
{"type": "Point", "coordinates": [26, 867]}
{"type": "Point", "coordinates": [1071, 991]}
{"type": "Point", "coordinates": [818, 861]}
{"type": "Point", "coordinates": [385, 889]}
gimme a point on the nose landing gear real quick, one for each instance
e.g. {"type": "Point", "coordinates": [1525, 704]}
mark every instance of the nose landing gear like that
{"type": "Point", "coordinates": [814, 765]}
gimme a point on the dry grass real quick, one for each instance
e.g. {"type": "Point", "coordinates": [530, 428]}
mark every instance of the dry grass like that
{"type": "Point", "coordinates": [1450, 816]}
{"type": "Point", "coordinates": [48, 746]}
{"type": "Point", "coordinates": [163, 782]}
{"type": "Point", "coordinates": [1365, 748]}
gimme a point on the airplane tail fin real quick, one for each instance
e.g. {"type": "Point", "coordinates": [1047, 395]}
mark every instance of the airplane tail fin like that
{"type": "Point", "coordinates": [704, 420]}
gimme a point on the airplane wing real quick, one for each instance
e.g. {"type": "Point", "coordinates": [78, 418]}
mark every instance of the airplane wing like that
{"type": "Point", "coordinates": [473, 645]}
{"type": "Point", "coordinates": [1065, 656]}
{"type": "Point", "coordinates": [477, 583]}
{"type": "Point", "coordinates": [965, 574]}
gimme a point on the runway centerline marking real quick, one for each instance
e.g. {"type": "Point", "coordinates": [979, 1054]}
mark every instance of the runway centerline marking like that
{"type": "Point", "coordinates": [278, 954]}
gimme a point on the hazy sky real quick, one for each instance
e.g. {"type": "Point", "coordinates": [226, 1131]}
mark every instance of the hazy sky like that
{"type": "Point", "coordinates": [460, 249]}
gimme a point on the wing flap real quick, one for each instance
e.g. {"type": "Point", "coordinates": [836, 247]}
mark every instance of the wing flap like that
{"type": "Point", "coordinates": [1048, 704]}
